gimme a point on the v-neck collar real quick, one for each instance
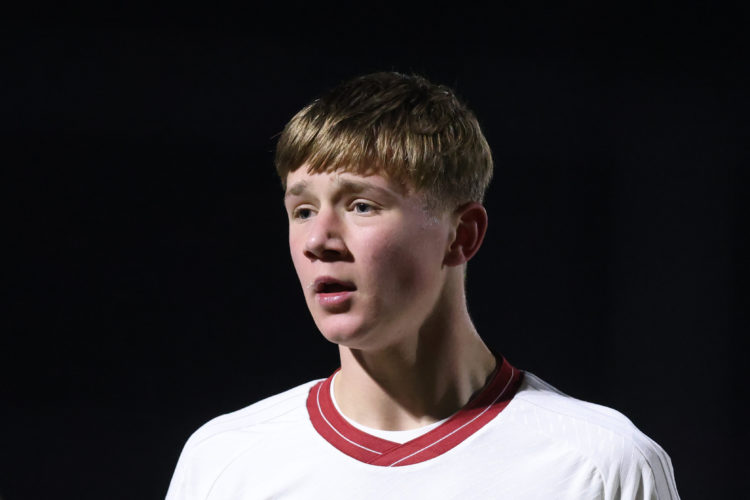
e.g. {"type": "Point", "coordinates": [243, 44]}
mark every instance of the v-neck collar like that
{"type": "Point", "coordinates": [373, 450]}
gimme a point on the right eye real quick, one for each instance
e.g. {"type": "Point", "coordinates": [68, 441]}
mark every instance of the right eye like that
{"type": "Point", "coordinates": [302, 213]}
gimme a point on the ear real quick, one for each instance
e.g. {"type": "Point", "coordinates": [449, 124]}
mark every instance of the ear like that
{"type": "Point", "coordinates": [471, 226]}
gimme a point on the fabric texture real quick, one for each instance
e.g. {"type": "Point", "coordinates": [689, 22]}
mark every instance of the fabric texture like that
{"type": "Point", "coordinates": [541, 444]}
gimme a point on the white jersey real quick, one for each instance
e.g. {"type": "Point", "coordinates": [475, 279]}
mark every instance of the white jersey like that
{"type": "Point", "coordinates": [518, 439]}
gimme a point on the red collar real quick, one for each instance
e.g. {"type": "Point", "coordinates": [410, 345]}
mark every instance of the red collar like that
{"type": "Point", "coordinates": [376, 451]}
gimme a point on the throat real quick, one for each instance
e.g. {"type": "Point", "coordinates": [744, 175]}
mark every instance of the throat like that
{"type": "Point", "coordinates": [393, 397]}
{"type": "Point", "coordinates": [400, 436]}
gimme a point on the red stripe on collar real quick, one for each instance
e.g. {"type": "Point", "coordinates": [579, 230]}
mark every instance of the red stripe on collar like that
{"type": "Point", "coordinates": [376, 451]}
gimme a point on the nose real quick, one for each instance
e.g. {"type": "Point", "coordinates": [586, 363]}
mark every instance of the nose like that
{"type": "Point", "coordinates": [325, 240]}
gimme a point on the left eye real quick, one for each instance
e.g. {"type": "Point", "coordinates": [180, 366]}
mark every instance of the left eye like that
{"type": "Point", "coordinates": [362, 208]}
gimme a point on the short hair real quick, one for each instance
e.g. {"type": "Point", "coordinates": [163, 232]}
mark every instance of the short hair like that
{"type": "Point", "coordinates": [400, 126]}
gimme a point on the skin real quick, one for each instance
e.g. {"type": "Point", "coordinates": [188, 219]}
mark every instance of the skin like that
{"type": "Point", "coordinates": [409, 353]}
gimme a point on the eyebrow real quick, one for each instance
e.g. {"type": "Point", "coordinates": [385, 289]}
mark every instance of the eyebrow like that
{"type": "Point", "coordinates": [296, 189]}
{"type": "Point", "coordinates": [351, 186]}
{"type": "Point", "coordinates": [344, 185]}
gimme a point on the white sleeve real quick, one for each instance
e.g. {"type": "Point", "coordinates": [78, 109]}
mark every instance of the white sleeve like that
{"type": "Point", "coordinates": [643, 472]}
{"type": "Point", "coordinates": [178, 488]}
{"type": "Point", "coordinates": [201, 463]}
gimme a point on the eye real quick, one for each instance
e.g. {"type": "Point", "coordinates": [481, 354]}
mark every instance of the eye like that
{"type": "Point", "coordinates": [361, 207]}
{"type": "Point", "coordinates": [302, 213]}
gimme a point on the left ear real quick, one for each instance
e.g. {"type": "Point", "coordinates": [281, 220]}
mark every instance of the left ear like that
{"type": "Point", "coordinates": [471, 226]}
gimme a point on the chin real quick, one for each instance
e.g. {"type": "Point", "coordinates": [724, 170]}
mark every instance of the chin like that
{"type": "Point", "coordinates": [343, 331]}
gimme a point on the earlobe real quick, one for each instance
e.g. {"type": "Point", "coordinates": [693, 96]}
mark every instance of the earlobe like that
{"type": "Point", "coordinates": [471, 226]}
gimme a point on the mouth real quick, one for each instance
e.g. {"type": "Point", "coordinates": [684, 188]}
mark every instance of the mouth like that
{"type": "Point", "coordinates": [334, 296]}
{"type": "Point", "coordinates": [328, 285]}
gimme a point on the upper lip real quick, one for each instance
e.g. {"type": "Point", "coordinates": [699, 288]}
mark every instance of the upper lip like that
{"type": "Point", "coordinates": [323, 283]}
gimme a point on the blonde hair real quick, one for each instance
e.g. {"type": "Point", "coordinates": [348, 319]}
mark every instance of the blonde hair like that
{"type": "Point", "coordinates": [401, 126]}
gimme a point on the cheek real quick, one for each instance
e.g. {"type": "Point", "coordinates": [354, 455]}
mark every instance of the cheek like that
{"type": "Point", "coordinates": [407, 263]}
{"type": "Point", "coordinates": [298, 258]}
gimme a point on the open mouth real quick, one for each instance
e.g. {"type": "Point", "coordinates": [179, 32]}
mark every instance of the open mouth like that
{"type": "Point", "coordinates": [330, 285]}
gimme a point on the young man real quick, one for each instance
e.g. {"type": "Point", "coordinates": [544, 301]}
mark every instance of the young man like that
{"type": "Point", "coordinates": [384, 179]}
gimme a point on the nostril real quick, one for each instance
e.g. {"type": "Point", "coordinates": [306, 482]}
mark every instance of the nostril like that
{"type": "Point", "coordinates": [312, 255]}
{"type": "Point", "coordinates": [325, 248]}
{"type": "Point", "coordinates": [331, 254]}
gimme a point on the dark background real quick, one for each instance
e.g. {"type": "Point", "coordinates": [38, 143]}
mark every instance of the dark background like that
{"type": "Point", "coordinates": [148, 283]}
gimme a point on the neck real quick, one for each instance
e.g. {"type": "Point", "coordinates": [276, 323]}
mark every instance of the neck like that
{"type": "Point", "coordinates": [417, 382]}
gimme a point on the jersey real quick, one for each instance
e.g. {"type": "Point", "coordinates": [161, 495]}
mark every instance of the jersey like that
{"type": "Point", "coordinates": [519, 438]}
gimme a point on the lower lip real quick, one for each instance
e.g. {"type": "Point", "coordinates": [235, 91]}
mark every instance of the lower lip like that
{"type": "Point", "coordinates": [333, 299]}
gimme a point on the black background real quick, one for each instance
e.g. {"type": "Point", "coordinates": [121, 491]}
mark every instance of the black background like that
{"type": "Point", "coordinates": [148, 282]}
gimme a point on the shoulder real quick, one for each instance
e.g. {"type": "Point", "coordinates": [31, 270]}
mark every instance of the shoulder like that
{"type": "Point", "coordinates": [256, 429]}
{"type": "Point", "coordinates": [260, 413]}
{"type": "Point", "coordinates": [545, 400]}
{"type": "Point", "coordinates": [623, 456]}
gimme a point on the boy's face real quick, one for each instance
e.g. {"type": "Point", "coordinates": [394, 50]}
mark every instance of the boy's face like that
{"type": "Point", "coordinates": [369, 256]}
